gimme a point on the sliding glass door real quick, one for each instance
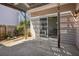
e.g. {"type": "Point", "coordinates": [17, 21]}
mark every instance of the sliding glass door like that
{"type": "Point", "coordinates": [48, 27]}
{"type": "Point", "coordinates": [43, 27]}
{"type": "Point", "coordinates": [52, 27]}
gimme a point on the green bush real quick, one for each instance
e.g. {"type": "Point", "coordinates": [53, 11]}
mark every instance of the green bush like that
{"type": "Point", "coordinates": [20, 27]}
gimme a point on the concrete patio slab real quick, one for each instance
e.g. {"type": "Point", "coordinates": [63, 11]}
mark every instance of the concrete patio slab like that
{"type": "Point", "coordinates": [39, 47]}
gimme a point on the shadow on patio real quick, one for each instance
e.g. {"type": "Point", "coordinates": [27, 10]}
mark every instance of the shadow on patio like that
{"type": "Point", "coordinates": [39, 48]}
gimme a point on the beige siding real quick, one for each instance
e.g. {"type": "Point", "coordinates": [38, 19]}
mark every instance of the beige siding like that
{"type": "Point", "coordinates": [68, 30]}
{"type": "Point", "coordinates": [77, 27]}
{"type": "Point", "coordinates": [36, 25]}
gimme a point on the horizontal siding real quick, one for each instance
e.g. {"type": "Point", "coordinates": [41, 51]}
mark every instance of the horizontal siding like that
{"type": "Point", "coordinates": [36, 25]}
{"type": "Point", "coordinates": [67, 30]}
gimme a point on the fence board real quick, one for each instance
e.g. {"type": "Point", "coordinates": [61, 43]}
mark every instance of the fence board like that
{"type": "Point", "coordinates": [4, 30]}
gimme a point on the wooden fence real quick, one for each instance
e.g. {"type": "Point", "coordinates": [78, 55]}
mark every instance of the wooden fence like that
{"type": "Point", "coordinates": [5, 29]}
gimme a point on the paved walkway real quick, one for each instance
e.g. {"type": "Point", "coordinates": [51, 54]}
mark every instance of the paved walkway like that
{"type": "Point", "coordinates": [39, 48]}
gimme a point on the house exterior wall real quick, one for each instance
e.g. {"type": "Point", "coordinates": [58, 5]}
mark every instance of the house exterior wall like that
{"type": "Point", "coordinates": [36, 26]}
{"type": "Point", "coordinates": [8, 16]}
{"type": "Point", "coordinates": [77, 27]}
{"type": "Point", "coordinates": [67, 28]}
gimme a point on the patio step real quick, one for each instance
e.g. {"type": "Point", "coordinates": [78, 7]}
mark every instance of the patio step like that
{"type": "Point", "coordinates": [10, 43]}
